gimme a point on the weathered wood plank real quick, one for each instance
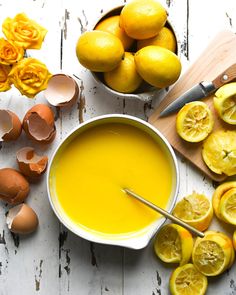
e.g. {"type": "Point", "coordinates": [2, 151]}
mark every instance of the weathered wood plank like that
{"type": "Point", "coordinates": [53, 260]}
{"type": "Point", "coordinates": [84, 266]}
{"type": "Point", "coordinates": [29, 265]}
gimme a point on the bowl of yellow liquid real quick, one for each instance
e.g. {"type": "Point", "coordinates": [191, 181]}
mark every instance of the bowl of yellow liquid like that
{"type": "Point", "coordinates": [90, 169]}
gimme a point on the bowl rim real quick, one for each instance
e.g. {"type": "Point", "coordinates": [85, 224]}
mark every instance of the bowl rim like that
{"type": "Point", "coordinates": [132, 242]}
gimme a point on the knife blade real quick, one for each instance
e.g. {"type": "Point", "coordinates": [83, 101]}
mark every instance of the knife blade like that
{"type": "Point", "coordinates": [201, 90]}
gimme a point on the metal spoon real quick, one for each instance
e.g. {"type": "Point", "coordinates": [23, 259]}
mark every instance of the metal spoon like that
{"type": "Point", "coordinates": [165, 213]}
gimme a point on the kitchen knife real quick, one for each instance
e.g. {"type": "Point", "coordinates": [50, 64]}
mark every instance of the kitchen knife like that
{"type": "Point", "coordinates": [200, 90]}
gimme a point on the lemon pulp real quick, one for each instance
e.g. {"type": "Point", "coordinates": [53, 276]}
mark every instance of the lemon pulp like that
{"type": "Point", "coordinates": [91, 170]}
{"type": "Point", "coordinates": [196, 210]}
{"type": "Point", "coordinates": [187, 280]}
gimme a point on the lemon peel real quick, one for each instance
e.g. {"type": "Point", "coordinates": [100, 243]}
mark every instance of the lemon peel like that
{"type": "Point", "coordinates": [173, 244]}
{"type": "Point", "coordinates": [225, 103]}
{"type": "Point", "coordinates": [219, 152]}
{"type": "Point", "coordinates": [212, 254]}
{"type": "Point", "coordinates": [196, 210]}
{"type": "Point", "coordinates": [187, 280]}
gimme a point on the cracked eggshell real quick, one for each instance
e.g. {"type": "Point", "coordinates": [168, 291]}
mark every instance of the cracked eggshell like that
{"type": "Point", "coordinates": [14, 188]}
{"type": "Point", "coordinates": [22, 219]}
{"type": "Point", "coordinates": [38, 124]}
{"type": "Point", "coordinates": [62, 90]}
{"type": "Point", "coordinates": [10, 126]}
{"type": "Point", "coordinates": [31, 164]}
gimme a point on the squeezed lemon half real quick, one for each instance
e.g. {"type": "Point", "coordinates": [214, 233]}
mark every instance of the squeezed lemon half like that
{"type": "Point", "coordinates": [194, 121]}
{"type": "Point", "coordinates": [173, 244]}
{"type": "Point", "coordinates": [212, 254]}
{"type": "Point", "coordinates": [218, 194]}
{"type": "Point", "coordinates": [228, 206]}
{"type": "Point", "coordinates": [225, 103]}
{"type": "Point", "coordinates": [219, 152]}
{"type": "Point", "coordinates": [228, 241]}
{"type": "Point", "coordinates": [187, 280]}
{"type": "Point", "coordinates": [196, 210]}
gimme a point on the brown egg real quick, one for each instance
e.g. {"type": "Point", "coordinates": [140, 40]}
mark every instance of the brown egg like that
{"type": "Point", "coordinates": [38, 124]}
{"type": "Point", "coordinates": [22, 219]}
{"type": "Point", "coordinates": [31, 164]}
{"type": "Point", "coordinates": [62, 90]}
{"type": "Point", "coordinates": [10, 126]}
{"type": "Point", "coordinates": [14, 188]}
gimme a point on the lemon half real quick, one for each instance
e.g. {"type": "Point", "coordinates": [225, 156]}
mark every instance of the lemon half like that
{"type": "Point", "coordinates": [196, 210]}
{"type": "Point", "coordinates": [228, 206]}
{"type": "Point", "coordinates": [211, 254]}
{"type": "Point", "coordinates": [218, 194]}
{"type": "Point", "coordinates": [228, 241]}
{"type": "Point", "coordinates": [225, 102]}
{"type": "Point", "coordinates": [219, 152]}
{"type": "Point", "coordinates": [187, 280]}
{"type": "Point", "coordinates": [194, 121]}
{"type": "Point", "coordinates": [173, 244]}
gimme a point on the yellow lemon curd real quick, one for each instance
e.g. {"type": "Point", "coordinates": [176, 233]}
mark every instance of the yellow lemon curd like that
{"type": "Point", "coordinates": [91, 170]}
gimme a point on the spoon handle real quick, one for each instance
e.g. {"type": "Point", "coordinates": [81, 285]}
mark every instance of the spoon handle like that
{"type": "Point", "coordinates": [165, 213]}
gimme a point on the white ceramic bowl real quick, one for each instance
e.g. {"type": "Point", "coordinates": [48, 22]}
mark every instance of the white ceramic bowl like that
{"type": "Point", "coordinates": [135, 240]}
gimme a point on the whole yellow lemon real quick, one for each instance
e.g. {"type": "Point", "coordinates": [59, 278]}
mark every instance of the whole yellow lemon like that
{"type": "Point", "coordinates": [111, 25]}
{"type": "Point", "coordinates": [142, 19]}
{"type": "Point", "coordinates": [158, 66]}
{"type": "Point", "coordinates": [165, 38]}
{"type": "Point", "coordinates": [99, 51]}
{"type": "Point", "coordinates": [124, 78]}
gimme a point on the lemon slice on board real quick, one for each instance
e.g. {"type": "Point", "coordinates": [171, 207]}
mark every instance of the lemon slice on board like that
{"type": "Point", "coordinates": [211, 255]}
{"type": "Point", "coordinates": [196, 210]}
{"type": "Point", "coordinates": [218, 194]}
{"type": "Point", "coordinates": [187, 280]}
{"type": "Point", "coordinates": [194, 121]}
{"type": "Point", "coordinates": [225, 103]}
{"type": "Point", "coordinates": [228, 206]}
{"type": "Point", "coordinates": [173, 244]}
{"type": "Point", "coordinates": [219, 152]}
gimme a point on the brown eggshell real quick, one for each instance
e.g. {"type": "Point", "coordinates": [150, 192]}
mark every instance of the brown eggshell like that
{"type": "Point", "coordinates": [10, 126]}
{"type": "Point", "coordinates": [31, 164]}
{"type": "Point", "coordinates": [62, 90]}
{"type": "Point", "coordinates": [14, 188]}
{"type": "Point", "coordinates": [38, 124]}
{"type": "Point", "coordinates": [22, 219]}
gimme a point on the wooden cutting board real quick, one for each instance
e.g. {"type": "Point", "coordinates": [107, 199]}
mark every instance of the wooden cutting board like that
{"type": "Point", "coordinates": [220, 54]}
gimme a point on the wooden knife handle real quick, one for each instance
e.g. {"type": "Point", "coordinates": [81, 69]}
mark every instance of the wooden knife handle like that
{"type": "Point", "coordinates": [225, 77]}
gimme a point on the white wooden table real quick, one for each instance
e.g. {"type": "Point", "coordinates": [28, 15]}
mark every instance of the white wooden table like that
{"type": "Point", "coordinates": [54, 261]}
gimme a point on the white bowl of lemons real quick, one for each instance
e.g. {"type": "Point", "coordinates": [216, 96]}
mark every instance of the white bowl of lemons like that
{"type": "Point", "coordinates": [132, 50]}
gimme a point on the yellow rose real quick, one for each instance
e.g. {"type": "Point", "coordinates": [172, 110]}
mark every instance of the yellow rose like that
{"type": "Point", "coordinates": [5, 83]}
{"type": "Point", "coordinates": [10, 53]}
{"type": "Point", "coordinates": [24, 31]}
{"type": "Point", "coordinates": [30, 76]}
